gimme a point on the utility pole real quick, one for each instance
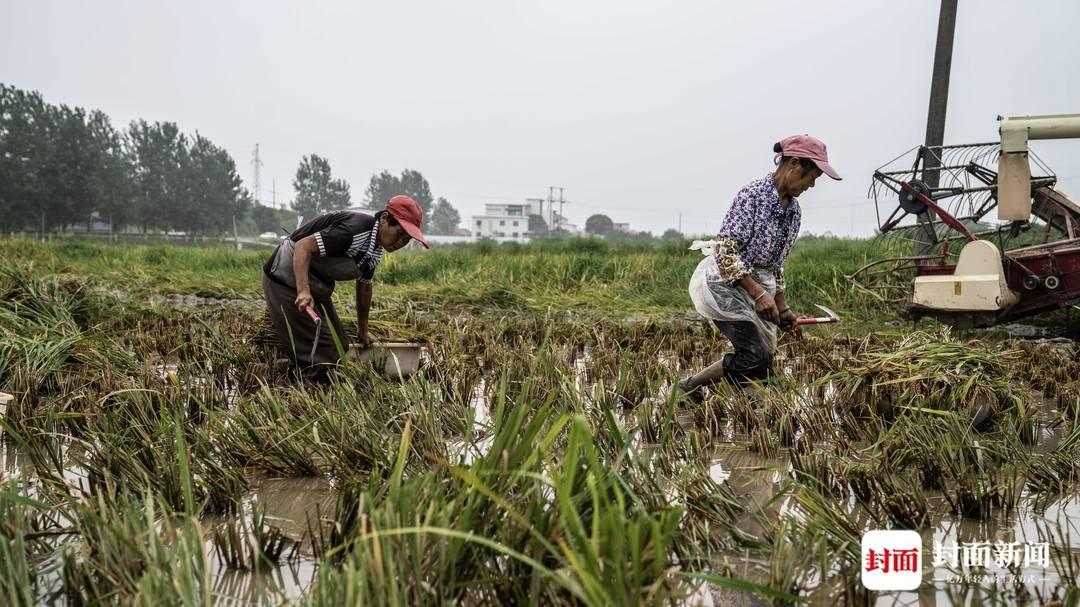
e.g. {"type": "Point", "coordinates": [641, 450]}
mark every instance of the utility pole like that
{"type": "Point", "coordinates": [551, 208]}
{"type": "Point", "coordinates": [257, 163]}
{"type": "Point", "coordinates": [273, 193]}
{"type": "Point", "coordinates": [561, 202]}
{"type": "Point", "coordinates": [680, 223]}
{"type": "Point", "coordinates": [925, 237]}
{"type": "Point", "coordinates": [939, 88]}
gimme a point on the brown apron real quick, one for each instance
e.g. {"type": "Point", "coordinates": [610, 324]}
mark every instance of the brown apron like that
{"type": "Point", "coordinates": [295, 330]}
{"type": "Point", "coordinates": [331, 269]}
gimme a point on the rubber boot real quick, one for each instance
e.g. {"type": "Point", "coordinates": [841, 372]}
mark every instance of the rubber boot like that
{"type": "Point", "coordinates": [694, 387]}
{"type": "Point", "coordinates": [690, 392]}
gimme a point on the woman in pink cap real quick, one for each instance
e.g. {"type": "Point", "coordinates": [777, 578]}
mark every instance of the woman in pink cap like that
{"type": "Point", "coordinates": [740, 285]}
{"type": "Point", "coordinates": [298, 279]}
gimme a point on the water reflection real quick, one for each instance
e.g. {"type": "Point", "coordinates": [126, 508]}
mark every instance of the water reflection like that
{"type": "Point", "coordinates": [286, 583]}
{"type": "Point", "coordinates": [293, 505]}
{"type": "Point", "coordinates": [756, 479]}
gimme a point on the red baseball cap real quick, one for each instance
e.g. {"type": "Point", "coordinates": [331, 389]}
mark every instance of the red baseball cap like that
{"type": "Point", "coordinates": [409, 215]}
{"type": "Point", "coordinates": [805, 146]}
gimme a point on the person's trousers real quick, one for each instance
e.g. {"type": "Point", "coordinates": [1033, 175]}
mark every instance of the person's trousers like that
{"type": "Point", "coordinates": [296, 333]}
{"type": "Point", "coordinates": [752, 359]}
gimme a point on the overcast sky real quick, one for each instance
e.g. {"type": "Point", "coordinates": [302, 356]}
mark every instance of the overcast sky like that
{"type": "Point", "coordinates": [640, 110]}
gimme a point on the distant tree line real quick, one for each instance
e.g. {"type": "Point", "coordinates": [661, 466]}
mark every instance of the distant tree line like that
{"type": "Point", "coordinates": [602, 225]}
{"type": "Point", "coordinates": [62, 165]}
{"type": "Point", "coordinates": [440, 217]}
{"type": "Point", "coordinates": [317, 191]}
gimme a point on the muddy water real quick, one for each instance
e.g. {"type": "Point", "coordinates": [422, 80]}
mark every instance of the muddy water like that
{"type": "Point", "coordinates": [294, 504]}
{"type": "Point", "coordinates": [757, 479]}
{"type": "Point", "coordinates": [290, 504]}
{"type": "Point", "coordinates": [466, 451]}
{"type": "Point", "coordinates": [15, 464]}
{"type": "Point", "coordinates": [170, 373]}
{"type": "Point", "coordinates": [283, 585]}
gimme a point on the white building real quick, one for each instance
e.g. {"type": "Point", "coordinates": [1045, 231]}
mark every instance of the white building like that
{"type": "Point", "coordinates": [511, 220]}
{"type": "Point", "coordinates": [502, 220]}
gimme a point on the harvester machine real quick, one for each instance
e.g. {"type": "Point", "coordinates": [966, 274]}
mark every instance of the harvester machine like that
{"type": "Point", "coordinates": [949, 259]}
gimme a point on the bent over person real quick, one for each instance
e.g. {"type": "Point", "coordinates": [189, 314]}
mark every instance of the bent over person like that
{"type": "Point", "coordinates": [298, 279]}
{"type": "Point", "coordinates": [740, 287]}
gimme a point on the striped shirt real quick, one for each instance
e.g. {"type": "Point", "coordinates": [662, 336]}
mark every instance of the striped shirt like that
{"type": "Point", "coordinates": [346, 234]}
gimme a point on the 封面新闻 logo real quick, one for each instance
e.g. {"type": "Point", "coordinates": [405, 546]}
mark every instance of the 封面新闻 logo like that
{"type": "Point", "coordinates": [891, 560]}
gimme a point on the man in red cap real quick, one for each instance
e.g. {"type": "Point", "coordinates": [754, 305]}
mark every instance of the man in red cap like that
{"type": "Point", "coordinates": [298, 279]}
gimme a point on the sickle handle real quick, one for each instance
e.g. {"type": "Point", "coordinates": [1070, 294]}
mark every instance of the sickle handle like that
{"type": "Point", "coordinates": [814, 321]}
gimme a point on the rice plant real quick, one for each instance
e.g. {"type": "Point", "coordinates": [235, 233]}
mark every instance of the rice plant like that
{"type": "Point", "coordinates": [538, 458]}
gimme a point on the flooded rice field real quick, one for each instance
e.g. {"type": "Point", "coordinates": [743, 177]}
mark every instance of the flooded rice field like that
{"type": "Point", "coordinates": [159, 454]}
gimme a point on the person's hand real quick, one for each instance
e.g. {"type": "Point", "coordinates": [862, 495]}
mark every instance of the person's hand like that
{"type": "Point", "coordinates": [765, 306]}
{"type": "Point", "coordinates": [787, 323]}
{"type": "Point", "coordinates": [303, 298]}
{"type": "Point", "coordinates": [363, 339]}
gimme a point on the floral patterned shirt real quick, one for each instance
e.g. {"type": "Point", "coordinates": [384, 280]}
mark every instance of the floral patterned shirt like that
{"type": "Point", "coordinates": [757, 232]}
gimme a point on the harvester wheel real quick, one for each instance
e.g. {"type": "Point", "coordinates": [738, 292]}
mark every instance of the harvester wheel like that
{"type": "Point", "coordinates": [910, 202]}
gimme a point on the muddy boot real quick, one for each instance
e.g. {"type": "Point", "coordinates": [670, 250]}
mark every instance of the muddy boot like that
{"type": "Point", "coordinates": [694, 387]}
{"type": "Point", "coordinates": [686, 389]}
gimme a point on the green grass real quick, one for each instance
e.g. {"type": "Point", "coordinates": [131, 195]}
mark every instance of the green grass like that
{"type": "Point", "coordinates": [586, 276]}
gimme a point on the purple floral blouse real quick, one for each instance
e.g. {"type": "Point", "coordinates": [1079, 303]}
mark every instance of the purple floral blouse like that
{"type": "Point", "coordinates": [757, 232]}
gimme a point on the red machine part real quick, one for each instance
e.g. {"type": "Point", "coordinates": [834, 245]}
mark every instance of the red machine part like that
{"type": "Point", "coordinates": [1046, 276]}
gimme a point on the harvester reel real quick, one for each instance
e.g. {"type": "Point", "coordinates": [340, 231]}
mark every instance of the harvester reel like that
{"type": "Point", "coordinates": [937, 226]}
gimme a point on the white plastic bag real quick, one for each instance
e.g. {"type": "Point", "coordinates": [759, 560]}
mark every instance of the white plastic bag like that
{"type": "Point", "coordinates": [715, 299]}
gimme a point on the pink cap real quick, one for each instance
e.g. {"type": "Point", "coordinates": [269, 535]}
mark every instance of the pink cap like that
{"type": "Point", "coordinates": [805, 146]}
